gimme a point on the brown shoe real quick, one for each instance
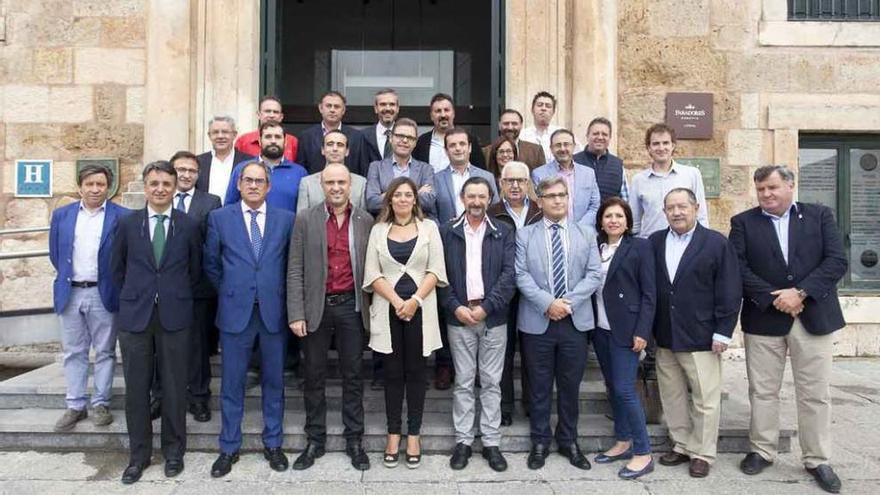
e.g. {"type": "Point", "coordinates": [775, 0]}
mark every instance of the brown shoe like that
{"type": "Point", "coordinates": [443, 378]}
{"type": "Point", "coordinates": [673, 459]}
{"type": "Point", "coordinates": [101, 416]}
{"type": "Point", "coordinates": [699, 468]}
{"type": "Point", "coordinates": [69, 419]}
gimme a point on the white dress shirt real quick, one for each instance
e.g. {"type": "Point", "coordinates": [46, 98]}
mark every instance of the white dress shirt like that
{"type": "Point", "coordinates": [261, 219]}
{"type": "Point", "coordinates": [87, 242]}
{"type": "Point", "coordinates": [473, 242]}
{"type": "Point", "coordinates": [437, 156]}
{"type": "Point", "coordinates": [381, 138]}
{"type": "Point", "coordinates": [187, 200]}
{"type": "Point", "coordinates": [519, 219]}
{"type": "Point", "coordinates": [649, 189]}
{"type": "Point", "coordinates": [548, 237]}
{"type": "Point", "coordinates": [533, 135]}
{"type": "Point", "coordinates": [607, 255]}
{"type": "Point", "coordinates": [221, 171]}
{"type": "Point", "coordinates": [151, 214]}
{"type": "Point", "coordinates": [458, 180]}
{"type": "Point", "coordinates": [780, 225]}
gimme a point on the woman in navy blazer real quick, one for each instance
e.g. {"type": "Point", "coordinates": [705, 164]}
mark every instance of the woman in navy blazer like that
{"type": "Point", "coordinates": [624, 315]}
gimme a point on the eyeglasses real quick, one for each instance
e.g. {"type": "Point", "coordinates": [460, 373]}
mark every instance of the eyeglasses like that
{"type": "Point", "coordinates": [515, 180]}
{"type": "Point", "coordinates": [251, 181]}
{"type": "Point", "coordinates": [404, 137]}
{"type": "Point", "coordinates": [553, 196]}
{"type": "Point", "coordinates": [191, 171]}
{"type": "Point", "coordinates": [504, 152]}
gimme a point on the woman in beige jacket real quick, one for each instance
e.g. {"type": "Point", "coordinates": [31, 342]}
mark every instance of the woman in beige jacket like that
{"type": "Point", "coordinates": [404, 265]}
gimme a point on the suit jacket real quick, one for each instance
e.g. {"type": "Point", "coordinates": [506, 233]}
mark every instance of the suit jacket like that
{"type": "Point", "coordinates": [369, 133]}
{"type": "Point", "coordinates": [61, 236]}
{"type": "Point", "coordinates": [240, 278]}
{"type": "Point", "coordinates": [533, 279]}
{"type": "Point", "coordinates": [206, 159]}
{"type": "Point", "coordinates": [311, 140]}
{"type": "Point", "coordinates": [311, 193]}
{"type": "Point", "coordinates": [306, 289]}
{"type": "Point", "coordinates": [382, 173]}
{"type": "Point", "coordinates": [422, 151]}
{"type": "Point", "coordinates": [705, 297]}
{"type": "Point", "coordinates": [533, 214]}
{"type": "Point", "coordinates": [586, 190]}
{"type": "Point", "coordinates": [529, 153]}
{"type": "Point", "coordinates": [200, 205]}
{"type": "Point", "coordinates": [446, 195]}
{"type": "Point", "coordinates": [144, 281]}
{"type": "Point", "coordinates": [630, 291]}
{"type": "Point", "coordinates": [817, 261]}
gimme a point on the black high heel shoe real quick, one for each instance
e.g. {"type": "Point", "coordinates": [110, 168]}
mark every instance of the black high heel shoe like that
{"type": "Point", "coordinates": [414, 460]}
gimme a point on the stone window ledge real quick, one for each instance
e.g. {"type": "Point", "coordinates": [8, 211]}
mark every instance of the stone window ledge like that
{"type": "Point", "coordinates": [860, 309]}
{"type": "Point", "coordinates": [818, 33]}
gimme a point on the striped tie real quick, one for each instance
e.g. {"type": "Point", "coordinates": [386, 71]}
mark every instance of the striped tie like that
{"type": "Point", "coordinates": [256, 237]}
{"type": "Point", "coordinates": [558, 261]}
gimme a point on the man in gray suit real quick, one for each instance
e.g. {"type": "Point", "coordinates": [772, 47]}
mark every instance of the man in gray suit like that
{"type": "Point", "coordinates": [401, 164]}
{"type": "Point", "coordinates": [557, 272]}
{"type": "Point", "coordinates": [449, 180]}
{"type": "Point", "coordinates": [327, 303]}
{"type": "Point", "coordinates": [311, 191]}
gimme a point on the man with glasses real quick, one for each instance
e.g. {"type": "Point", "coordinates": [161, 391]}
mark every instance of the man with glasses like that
{"type": "Point", "coordinates": [583, 191]}
{"type": "Point", "coordinates": [215, 166]}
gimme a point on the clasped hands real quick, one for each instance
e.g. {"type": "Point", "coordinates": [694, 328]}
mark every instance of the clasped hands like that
{"type": "Point", "coordinates": [406, 309]}
{"type": "Point", "coordinates": [559, 309]}
{"type": "Point", "coordinates": [788, 301]}
{"type": "Point", "coordinates": [470, 316]}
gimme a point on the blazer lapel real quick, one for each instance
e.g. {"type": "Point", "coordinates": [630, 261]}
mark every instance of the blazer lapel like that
{"type": "Point", "coordinates": [541, 244]}
{"type": "Point", "coordinates": [768, 232]}
{"type": "Point", "coordinates": [245, 230]}
{"type": "Point", "coordinates": [145, 234]}
{"type": "Point", "coordinates": [690, 252]}
{"type": "Point", "coordinates": [109, 221]}
{"type": "Point", "coordinates": [661, 256]}
{"type": "Point", "coordinates": [793, 232]}
{"type": "Point", "coordinates": [625, 244]}
{"type": "Point", "coordinates": [447, 178]}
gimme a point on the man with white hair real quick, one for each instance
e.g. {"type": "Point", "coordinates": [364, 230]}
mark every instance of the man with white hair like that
{"type": "Point", "coordinates": [215, 166]}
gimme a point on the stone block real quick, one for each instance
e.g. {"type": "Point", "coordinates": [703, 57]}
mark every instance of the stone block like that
{"type": "Point", "coordinates": [70, 104]}
{"type": "Point", "coordinates": [744, 147]}
{"type": "Point", "coordinates": [103, 8]}
{"type": "Point", "coordinates": [22, 104]}
{"type": "Point", "coordinates": [123, 32]}
{"type": "Point", "coordinates": [26, 282]}
{"type": "Point", "coordinates": [758, 72]}
{"type": "Point", "coordinates": [632, 18]}
{"type": "Point", "coordinates": [85, 31]}
{"type": "Point", "coordinates": [35, 141]}
{"type": "Point", "coordinates": [64, 178]}
{"type": "Point", "coordinates": [827, 115]}
{"type": "Point", "coordinates": [110, 103]}
{"type": "Point", "coordinates": [858, 72]}
{"type": "Point", "coordinates": [16, 65]}
{"type": "Point", "coordinates": [679, 18]}
{"type": "Point", "coordinates": [818, 34]}
{"type": "Point", "coordinates": [134, 105]}
{"type": "Point", "coordinates": [682, 63]}
{"type": "Point", "coordinates": [735, 181]}
{"type": "Point", "coordinates": [26, 212]}
{"type": "Point", "coordinates": [109, 65]}
{"type": "Point", "coordinates": [750, 110]}
{"type": "Point", "coordinates": [102, 139]}
{"type": "Point", "coordinates": [814, 73]}
{"type": "Point", "coordinates": [733, 37]}
{"type": "Point", "coordinates": [53, 65]}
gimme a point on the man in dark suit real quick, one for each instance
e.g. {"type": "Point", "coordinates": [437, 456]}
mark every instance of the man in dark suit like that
{"type": "Point", "coordinates": [197, 205]}
{"type": "Point", "coordinates": [431, 147]}
{"type": "Point", "coordinates": [791, 259]}
{"type": "Point", "coordinates": [215, 166]}
{"type": "Point", "coordinates": [327, 305]}
{"type": "Point", "coordinates": [246, 259]}
{"type": "Point", "coordinates": [386, 104]}
{"type": "Point", "coordinates": [80, 242]}
{"type": "Point", "coordinates": [610, 174]}
{"type": "Point", "coordinates": [156, 264]}
{"type": "Point", "coordinates": [698, 298]}
{"type": "Point", "coordinates": [311, 140]}
{"type": "Point", "coordinates": [510, 124]}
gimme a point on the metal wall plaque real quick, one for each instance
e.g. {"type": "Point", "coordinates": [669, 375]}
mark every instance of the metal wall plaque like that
{"type": "Point", "coordinates": [111, 163]}
{"type": "Point", "coordinates": [710, 169]}
{"type": "Point", "coordinates": [33, 178]}
{"type": "Point", "coordinates": [690, 114]}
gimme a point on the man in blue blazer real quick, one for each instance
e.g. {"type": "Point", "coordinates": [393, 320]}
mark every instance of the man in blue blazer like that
{"type": "Point", "coordinates": [311, 140]}
{"type": "Point", "coordinates": [557, 272]}
{"type": "Point", "coordinates": [246, 259]}
{"type": "Point", "coordinates": [156, 264]}
{"type": "Point", "coordinates": [80, 241]}
{"type": "Point", "coordinates": [448, 181]}
{"type": "Point", "coordinates": [698, 299]}
{"type": "Point", "coordinates": [791, 259]}
{"type": "Point", "coordinates": [583, 197]}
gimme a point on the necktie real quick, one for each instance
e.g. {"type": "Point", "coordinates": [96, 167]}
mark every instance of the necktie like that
{"type": "Point", "coordinates": [558, 261]}
{"type": "Point", "coordinates": [159, 237]}
{"type": "Point", "coordinates": [387, 152]}
{"type": "Point", "coordinates": [256, 238]}
{"type": "Point", "coordinates": [181, 205]}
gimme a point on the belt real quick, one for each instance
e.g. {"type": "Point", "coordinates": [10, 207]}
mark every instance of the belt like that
{"type": "Point", "coordinates": [473, 303]}
{"type": "Point", "coordinates": [337, 299]}
{"type": "Point", "coordinates": [83, 285]}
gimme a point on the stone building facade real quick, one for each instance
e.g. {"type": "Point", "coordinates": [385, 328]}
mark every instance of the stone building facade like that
{"type": "Point", "coordinates": [138, 80]}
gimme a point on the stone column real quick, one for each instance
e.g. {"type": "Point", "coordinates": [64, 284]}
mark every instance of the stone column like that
{"type": "Point", "coordinates": [594, 67]}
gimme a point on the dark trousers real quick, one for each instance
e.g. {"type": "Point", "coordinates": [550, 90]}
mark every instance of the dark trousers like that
{"type": "Point", "coordinates": [405, 371]}
{"type": "Point", "coordinates": [199, 381]}
{"type": "Point", "coordinates": [560, 355]}
{"type": "Point", "coordinates": [344, 325]}
{"type": "Point", "coordinates": [620, 367]}
{"type": "Point", "coordinates": [442, 356]}
{"type": "Point", "coordinates": [169, 352]}
{"type": "Point", "coordinates": [514, 341]}
{"type": "Point", "coordinates": [236, 353]}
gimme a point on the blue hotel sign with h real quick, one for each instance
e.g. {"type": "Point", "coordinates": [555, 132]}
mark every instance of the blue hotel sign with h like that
{"type": "Point", "coordinates": [33, 178]}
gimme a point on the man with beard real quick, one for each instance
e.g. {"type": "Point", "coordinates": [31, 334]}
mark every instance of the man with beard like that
{"type": "Point", "coordinates": [583, 191]}
{"type": "Point", "coordinates": [431, 146]}
{"type": "Point", "coordinates": [509, 125]}
{"type": "Point", "coordinates": [386, 104]}
{"type": "Point", "coordinates": [608, 168]}
{"type": "Point", "coordinates": [311, 192]}
{"type": "Point", "coordinates": [332, 109]}
{"type": "Point", "coordinates": [268, 110]}
{"type": "Point", "coordinates": [482, 281]}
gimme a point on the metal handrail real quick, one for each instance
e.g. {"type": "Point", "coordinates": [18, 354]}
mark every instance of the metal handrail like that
{"type": "Point", "coordinates": [24, 230]}
{"type": "Point", "coordinates": [24, 254]}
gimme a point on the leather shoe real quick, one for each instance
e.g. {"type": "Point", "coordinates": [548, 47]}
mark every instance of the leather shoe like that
{"type": "Point", "coordinates": [133, 473]}
{"type": "Point", "coordinates": [575, 456]}
{"type": "Point", "coordinates": [308, 456]}
{"type": "Point", "coordinates": [173, 467]}
{"type": "Point", "coordinates": [155, 409]}
{"type": "Point", "coordinates": [506, 419]}
{"type": "Point", "coordinates": [628, 474]}
{"type": "Point", "coordinates": [460, 456]}
{"type": "Point", "coordinates": [359, 459]}
{"type": "Point", "coordinates": [496, 461]}
{"type": "Point", "coordinates": [223, 465]}
{"type": "Point", "coordinates": [277, 459]}
{"type": "Point", "coordinates": [753, 463]}
{"type": "Point", "coordinates": [200, 412]}
{"type": "Point", "coordinates": [826, 478]}
{"type": "Point", "coordinates": [608, 459]}
{"type": "Point", "coordinates": [537, 456]}
{"type": "Point", "coordinates": [673, 459]}
{"type": "Point", "coordinates": [699, 468]}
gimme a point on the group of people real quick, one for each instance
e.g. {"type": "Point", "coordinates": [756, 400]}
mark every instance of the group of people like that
{"type": "Point", "coordinates": [403, 243]}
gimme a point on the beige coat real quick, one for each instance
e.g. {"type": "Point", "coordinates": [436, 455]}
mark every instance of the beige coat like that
{"type": "Point", "coordinates": [427, 256]}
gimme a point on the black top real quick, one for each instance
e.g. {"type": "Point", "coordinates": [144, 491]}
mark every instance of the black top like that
{"type": "Point", "coordinates": [401, 251]}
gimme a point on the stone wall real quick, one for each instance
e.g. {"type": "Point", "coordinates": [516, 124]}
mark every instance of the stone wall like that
{"type": "Point", "coordinates": [72, 76]}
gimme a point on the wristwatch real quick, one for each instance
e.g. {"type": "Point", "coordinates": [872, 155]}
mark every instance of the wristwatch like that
{"type": "Point", "coordinates": [802, 294]}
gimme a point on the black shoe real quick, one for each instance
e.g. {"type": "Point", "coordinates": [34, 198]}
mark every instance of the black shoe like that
{"type": "Point", "coordinates": [608, 459]}
{"type": "Point", "coordinates": [460, 456]}
{"type": "Point", "coordinates": [506, 419]}
{"type": "Point", "coordinates": [308, 456]}
{"type": "Point", "coordinates": [575, 456]}
{"type": "Point", "coordinates": [628, 474]}
{"type": "Point", "coordinates": [200, 412]}
{"type": "Point", "coordinates": [359, 459]}
{"type": "Point", "coordinates": [753, 464]}
{"type": "Point", "coordinates": [277, 459]}
{"type": "Point", "coordinates": [496, 460]}
{"type": "Point", "coordinates": [537, 455]}
{"type": "Point", "coordinates": [826, 478]}
{"type": "Point", "coordinates": [173, 467]}
{"type": "Point", "coordinates": [223, 465]}
{"type": "Point", "coordinates": [134, 472]}
{"type": "Point", "coordinates": [155, 410]}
